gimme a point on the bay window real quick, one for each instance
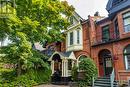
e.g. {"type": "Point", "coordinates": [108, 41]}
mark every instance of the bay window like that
{"type": "Point", "coordinates": [78, 37]}
{"type": "Point", "coordinates": [71, 38]}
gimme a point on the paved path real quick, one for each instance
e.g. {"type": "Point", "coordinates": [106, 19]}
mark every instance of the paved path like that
{"type": "Point", "coordinates": [50, 85]}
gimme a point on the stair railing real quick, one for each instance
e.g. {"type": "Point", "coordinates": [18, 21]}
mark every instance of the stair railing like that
{"type": "Point", "coordinates": [93, 81]}
{"type": "Point", "coordinates": [112, 77]}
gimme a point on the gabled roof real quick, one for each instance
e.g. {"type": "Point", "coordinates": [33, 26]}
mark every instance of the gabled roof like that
{"type": "Point", "coordinates": [64, 55]}
{"type": "Point", "coordinates": [77, 16]}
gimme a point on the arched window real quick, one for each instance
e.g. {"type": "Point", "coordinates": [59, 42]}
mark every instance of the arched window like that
{"type": "Point", "coordinates": [127, 56]}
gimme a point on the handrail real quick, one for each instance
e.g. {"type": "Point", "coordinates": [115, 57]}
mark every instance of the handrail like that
{"type": "Point", "coordinates": [112, 77]}
{"type": "Point", "coordinates": [93, 81]}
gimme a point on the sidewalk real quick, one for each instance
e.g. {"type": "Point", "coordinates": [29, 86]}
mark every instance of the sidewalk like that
{"type": "Point", "coordinates": [50, 85]}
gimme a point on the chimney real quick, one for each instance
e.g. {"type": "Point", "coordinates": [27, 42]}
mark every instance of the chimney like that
{"type": "Point", "coordinates": [97, 14]}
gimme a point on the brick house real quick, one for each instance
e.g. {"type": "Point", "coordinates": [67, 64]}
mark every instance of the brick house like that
{"type": "Point", "coordinates": [104, 39]}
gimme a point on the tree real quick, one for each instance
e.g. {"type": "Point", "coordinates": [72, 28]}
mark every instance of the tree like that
{"type": "Point", "coordinates": [33, 21]}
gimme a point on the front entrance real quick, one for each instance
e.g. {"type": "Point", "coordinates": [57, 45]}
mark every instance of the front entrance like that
{"type": "Point", "coordinates": [57, 68]}
{"type": "Point", "coordinates": [105, 63]}
{"type": "Point", "coordinates": [61, 65]}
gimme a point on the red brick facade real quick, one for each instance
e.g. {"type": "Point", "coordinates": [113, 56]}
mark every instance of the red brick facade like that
{"type": "Point", "coordinates": [93, 44]}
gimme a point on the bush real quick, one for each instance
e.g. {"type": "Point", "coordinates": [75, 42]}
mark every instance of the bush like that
{"type": "Point", "coordinates": [74, 73]}
{"type": "Point", "coordinates": [40, 75]}
{"type": "Point", "coordinates": [89, 68]}
{"type": "Point", "coordinates": [27, 79]}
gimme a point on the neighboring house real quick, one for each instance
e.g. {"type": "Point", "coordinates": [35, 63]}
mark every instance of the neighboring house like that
{"type": "Point", "coordinates": [64, 55]}
{"type": "Point", "coordinates": [110, 45]}
{"type": "Point", "coordinates": [105, 40]}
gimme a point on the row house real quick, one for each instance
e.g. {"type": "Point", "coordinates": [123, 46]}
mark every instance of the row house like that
{"type": "Point", "coordinates": [104, 39]}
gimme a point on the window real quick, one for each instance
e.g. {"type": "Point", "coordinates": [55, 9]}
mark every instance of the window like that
{"type": "Point", "coordinates": [116, 29]}
{"type": "Point", "coordinates": [126, 19]}
{"type": "Point", "coordinates": [105, 33]}
{"type": "Point", "coordinates": [71, 20]}
{"type": "Point", "coordinates": [71, 38]}
{"type": "Point", "coordinates": [78, 37]}
{"type": "Point", "coordinates": [127, 57]}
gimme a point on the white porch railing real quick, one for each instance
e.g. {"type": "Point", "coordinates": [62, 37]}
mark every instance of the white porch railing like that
{"type": "Point", "coordinates": [112, 77]}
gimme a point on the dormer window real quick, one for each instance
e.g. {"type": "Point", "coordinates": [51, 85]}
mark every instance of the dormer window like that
{"type": "Point", "coordinates": [126, 19]}
{"type": "Point", "coordinates": [71, 38]}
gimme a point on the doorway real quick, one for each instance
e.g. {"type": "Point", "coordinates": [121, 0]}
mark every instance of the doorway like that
{"type": "Point", "coordinates": [57, 68]}
{"type": "Point", "coordinates": [105, 63]}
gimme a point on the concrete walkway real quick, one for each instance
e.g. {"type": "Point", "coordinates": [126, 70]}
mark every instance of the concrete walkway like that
{"type": "Point", "coordinates": [50, 85]}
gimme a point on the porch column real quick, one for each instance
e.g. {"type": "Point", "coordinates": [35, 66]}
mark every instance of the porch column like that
{"type": "Point", "coordinates": [52, 66]}
{"type": "Point", "coordinates": [73, 62]}
{"type": "Point", "coordinates": [62, 68]}
{"type": "Point", "coordinates": [66, 68]}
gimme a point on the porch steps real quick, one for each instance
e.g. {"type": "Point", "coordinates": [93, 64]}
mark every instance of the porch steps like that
{"type": "Point", "coordinates": [104, 82]}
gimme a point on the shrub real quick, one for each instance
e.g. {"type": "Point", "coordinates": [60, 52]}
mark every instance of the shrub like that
{"type": "Point", "coordinates": [40, 75]}
{"type": "Point", "coordinates": [87, 65]}
{"type": "Point", "coordinates": [27, 79]}
{"type": "Point", "coordinates": [74, 73]}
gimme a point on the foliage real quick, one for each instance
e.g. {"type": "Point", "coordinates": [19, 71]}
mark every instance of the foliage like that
{"type": "Point", "coordinates": [82, 84]}
{"type": "Point", "coordinates": [74, 73]}
{"type": "Point", "coordinates": [27, 79]}
{"type": "Point", "coordinates": [87, 65]}
{"type": "Point", "coordinates": [33, 21]}
{"type": "Point", "coordinates": [40, 76]}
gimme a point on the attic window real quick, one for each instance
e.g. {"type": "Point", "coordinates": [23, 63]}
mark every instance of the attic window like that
{"type": "Point", "coordinates": [116, 2]}
{"type": "Point", "coordinates": [71, 20]}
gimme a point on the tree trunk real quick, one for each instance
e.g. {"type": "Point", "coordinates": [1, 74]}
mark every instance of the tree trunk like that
{"type": "Point", "coordinates": [2, 42]}
{"type": "Point", "coordinates": [19, 69]}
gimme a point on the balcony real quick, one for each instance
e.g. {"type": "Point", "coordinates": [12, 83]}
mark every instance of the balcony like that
{"type": "Point", "coordinates": [113, 37]}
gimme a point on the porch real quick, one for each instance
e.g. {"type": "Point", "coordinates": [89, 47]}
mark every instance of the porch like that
{"type": "Point", "coordinates": [61, 65]}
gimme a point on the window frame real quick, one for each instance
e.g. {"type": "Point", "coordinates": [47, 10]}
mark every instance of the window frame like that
{"type": "Point", "coordinates": [116, 30]}
{"type": "Point", "coordinates": [72, 20]}
{"type": "Point", "coordinates": [78, 36]}
{"type": "Point", "coordinates": [125, 54]}
{"type": "Point", "coordinates": [125, 18]}
{"type": "Point", "coordinates": [103, 34]}
{"type": "Point", "coordinates": [71, 38]}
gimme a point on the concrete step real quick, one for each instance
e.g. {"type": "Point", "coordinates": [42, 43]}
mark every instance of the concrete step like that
{"type": "Point", "coordinates": [104, 82]}
{"type": "Point", "coordinates": [101, 84]}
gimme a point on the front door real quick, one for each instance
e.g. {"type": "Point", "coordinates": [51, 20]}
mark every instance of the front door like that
{"type": "Point", "coordinates": [108, 66]}
{"type": "Point", "coordinates": [105, 63]}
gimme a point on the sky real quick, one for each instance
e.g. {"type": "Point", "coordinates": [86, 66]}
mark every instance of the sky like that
{"type": "Point", "coordinates": [89, 7]}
